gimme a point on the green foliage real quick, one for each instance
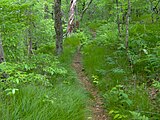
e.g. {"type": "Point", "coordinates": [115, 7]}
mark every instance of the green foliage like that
{"type": "Point", "coordinates": [30, 90]}
{"type": "Point", "coordinates": [22, 21]}
{"type": "Point", "coordinates": [94, 25]}
{"type": "Point", "coordinates": [144, 50]}
{"type": "Point", "coordinates": [95, 79]}
{"type": "Point", "coordinates": [71, 45]}
{"type": "Point", "coordinates": [120, 96]}
{"type": "Point", "coordinates": [156, 84]}
{"type": "Point", "coordinates": [38, 102]}
{"type": "Point", "coordinates": [13, 77]}
{"type": "Point", "coordinates": [138, 116]}
{"type": "Point", "coordinates": [107, 34]}
{"type": "Point", "coordinates": [123, 87]}
{"type": "Point", "coordinates": [117, 115]}
{"type": "Point", "coordinates": [43, 86]}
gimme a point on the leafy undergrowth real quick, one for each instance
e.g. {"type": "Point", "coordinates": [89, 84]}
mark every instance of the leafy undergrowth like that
{"type": "Point", "coordinates": [43, 87]}
{"type": "Point", "coordinates": [128, 92]}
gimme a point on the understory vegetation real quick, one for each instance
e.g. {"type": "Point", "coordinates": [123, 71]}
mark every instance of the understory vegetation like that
{"type": "Point", "coordinates": [42, 87]}
{"type": "Point", "coordinates": [130, 88]}
{"type": "Point", "coordinates": [119, 41]}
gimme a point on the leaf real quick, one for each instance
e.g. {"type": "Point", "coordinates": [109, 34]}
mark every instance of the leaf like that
{"type": "Point", "coordinates": [116, 116]}
{"type": "Point", "coordinates": [95, 82]}
{"type": "Point", "coordinates": [145, 51]}
{"type": "Point", "coordinates": [11, 91]}
{"type": "Point", "coordinates": [14, 91]}
{"type": "Point", "coordinates": [112, 111]}
{"type": "Point", "coordinates": [17, 81]}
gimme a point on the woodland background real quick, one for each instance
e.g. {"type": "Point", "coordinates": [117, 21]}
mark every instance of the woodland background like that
{"type": "Point", "coordinates": [120, 46]}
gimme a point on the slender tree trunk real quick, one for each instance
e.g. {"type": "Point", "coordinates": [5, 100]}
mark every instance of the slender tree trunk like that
{"type": "Point", "coordinates": [71, 23]}
{"type": "Point", "coordinates": [134, 77]}
{"type": "Point", "coordinates": [85, 9]}
{"type": "Point", "coordinates": [118, 20]}
{"type": "Point", "coordinates": [58, 27]}
{"type": "Point", "coordinates": [29, 32]}
{"type": "Point", "coordinates": [2, 59]}
{"type": "Point", "coordinates": [127, 24]}
{"type": "Point", "coordinates": [122, 18]}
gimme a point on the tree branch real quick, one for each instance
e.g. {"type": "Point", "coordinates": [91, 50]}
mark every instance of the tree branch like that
{"type": "Point", "coordinates": [85, 9]}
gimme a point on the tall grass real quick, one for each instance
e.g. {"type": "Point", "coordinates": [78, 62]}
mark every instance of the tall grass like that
{"type": "Point", "coordinates": [65, 100]}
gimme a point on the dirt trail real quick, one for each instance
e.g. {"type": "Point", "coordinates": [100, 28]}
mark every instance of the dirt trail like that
{"type": "Point", "coordinates": [98, 113]}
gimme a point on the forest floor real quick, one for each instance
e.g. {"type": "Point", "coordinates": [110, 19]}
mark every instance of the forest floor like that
{"type": "Point", "coordinates": [96, 106]}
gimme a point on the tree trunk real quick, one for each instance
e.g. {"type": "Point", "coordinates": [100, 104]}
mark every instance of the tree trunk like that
{"type": "Point", "coordinates": [127, 24]}
{"type": "Point", "coordinates": [118, 20]}
{"type": "Point", "coordinates": [71, 23]}
{"type": "Point", "coordinates": [122, 18]}
{"type": "Point", "coordinates": [58, 27]}
{"type": "Point", "coordinates": [2, 59]}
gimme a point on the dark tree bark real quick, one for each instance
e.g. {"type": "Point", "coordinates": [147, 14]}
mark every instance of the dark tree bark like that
{"type": "Point", "coordinates": [58, 27]}
{"type": "Point", "coordinates": [2, 59]}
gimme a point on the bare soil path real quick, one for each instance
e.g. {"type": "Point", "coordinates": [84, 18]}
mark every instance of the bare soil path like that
{"type": "Point", "coordinates": [96, 107]}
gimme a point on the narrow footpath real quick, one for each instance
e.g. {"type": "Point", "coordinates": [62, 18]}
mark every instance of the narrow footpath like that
{"type": "Point", "coordinates": [96, 108]}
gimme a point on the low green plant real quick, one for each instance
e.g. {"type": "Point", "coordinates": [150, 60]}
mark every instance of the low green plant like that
{"type": "Point", "coordinates": [118, 98]}
{"type": "Point", "coordinates": [138, 116]}
{"type": "Point", "coordinates": [117, 115]}
{"type": "Point", "coordinates": [95, 79]}
{"type": "Point", "coordinates": [156, 84]}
